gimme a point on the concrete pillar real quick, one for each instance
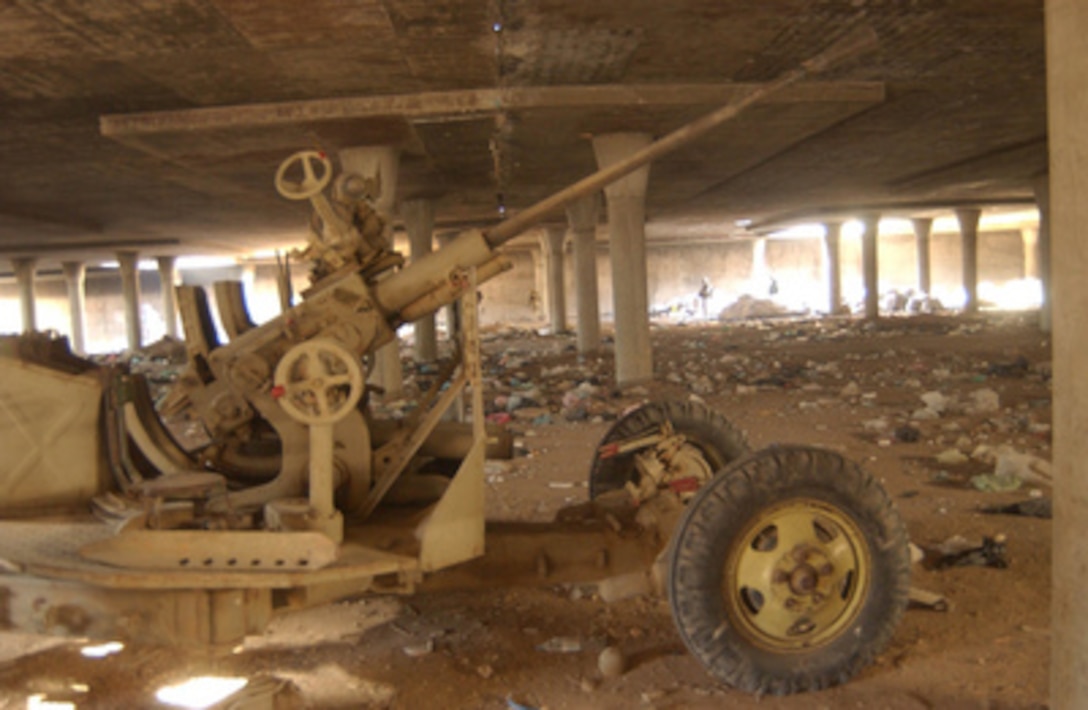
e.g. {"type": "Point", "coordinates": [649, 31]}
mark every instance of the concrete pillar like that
{"type": "Point", "coordinates": [551, 244]}
{"type": "Point", "coordinates": [833, 266]}
{"type": "Point", "coordinates": [168, 278]}
{"type": "Point", "coordinates": [130, 294]}
{"type": "Point", "coordinates": [968, 219]}
{"type": "Point", "coordinates": [418, 218]}
{"type": "Point", "coordinates": [1045, 263]}
{"type": "Point", "coordinates": [1063, 214]}
{"type": "Point", "coordinates": [627, 249]}
{"type": "Point", "coordinates": [582, 217]}
{"type": "Point", "coordinates": [383, 162]}
{"type": "Point", "coordinates": [75, 278]}
{"type": "Point", "coordinates": [759, 277]}
{"type": "Point", "coordinates": [923, 227]}
{"type": "Point", "coordinates": [450, 311]}
{"type": "Point", "coordinates": [1029, 238]}
{"type": "Point", "coordinates": [870, 267]}
{"type": "Point", "coordinates": [24, 277]}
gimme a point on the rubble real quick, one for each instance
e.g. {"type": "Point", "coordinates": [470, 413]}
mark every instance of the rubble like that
{"type": "Point", "coordinates": [957, 551]}
{"type": "Point", "coordinates": [561, 644]}
{"type": "Point", "coordinates": [1031, 508]}
{"type": "Point", "coordinates": [747, 307]}
{"type": "Point", "coordinates": [611, 662]}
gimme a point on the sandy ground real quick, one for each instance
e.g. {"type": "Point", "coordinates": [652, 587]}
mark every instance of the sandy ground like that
{"type": "Point", "coordinates": [787, 381]}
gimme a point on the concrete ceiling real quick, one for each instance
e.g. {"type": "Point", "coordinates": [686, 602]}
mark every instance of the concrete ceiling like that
{"type": "Point", "coordinates": [160, 123]}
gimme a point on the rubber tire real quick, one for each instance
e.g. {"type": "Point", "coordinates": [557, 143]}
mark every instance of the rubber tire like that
{"type": "Point", "coordinates": [713, 434]}
{"type": "Point", "coordinates": [720, 513]}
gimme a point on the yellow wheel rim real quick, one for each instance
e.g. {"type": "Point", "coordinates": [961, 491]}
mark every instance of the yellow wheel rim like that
{"type": "Point", "coordinates": [797, 576]}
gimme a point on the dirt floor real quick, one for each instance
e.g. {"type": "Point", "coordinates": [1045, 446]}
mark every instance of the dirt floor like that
{"type": "Point", "coordinates": [836, 383]}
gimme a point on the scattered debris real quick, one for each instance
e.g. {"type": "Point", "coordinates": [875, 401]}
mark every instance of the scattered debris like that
{"type": "Point", "coordinates": [951, 457]}
{"type": "Point", "coordinates": [624, 586]}
{"type": "Point", "coordinates": [907, 434]}
{"type": "Point", "coordinates": [748, 307]}
{"type": "Point", "coordinates": [611, 662]}
{"type": "Point", "coordinates": [1031, 508]}
{"type": "Point", "coordinates": [993, 483]}
{"type": "Point", "coordinates": [561, 644]}
{"type": "Point", "coordinates": [1019, 367]}
{"type": "Point", "coordinates": [419, 649]}
{"type": "Point", "coordinates": [956, 551]}
{"type": "Point", "coordinates": [924, 599]}
{"type": "Point", "coordinates": [512, 704]}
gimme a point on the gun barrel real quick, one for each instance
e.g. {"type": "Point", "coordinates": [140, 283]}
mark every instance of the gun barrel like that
{"type": "Point", "coordinates": [853, 44]}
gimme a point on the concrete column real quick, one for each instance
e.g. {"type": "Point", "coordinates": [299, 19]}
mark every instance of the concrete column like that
{"type": "Point", "coordinates": [923, 227]}
{"type": "Point", "coordinates": [1029, 237]}
{"type": "Point", "coordinates": [24, 277]}
{"type": "Point", "coordinates": [759, 277]}
{"type": "Point", "coordinates": [870, 267]}
{"type": "Point", "coordinates": [130, 293]}
{"type": "Point", "coordinates": [419, 223]}
{"type": "Point", "coordinates": [627, 249]}
{"type": "Point", "coordinates": [75, 278]}
{"type": "Point", "coordinates": [1064, 210]}
{"type": "Point", "coordinates": [582, 216]}
{"type": "Point", "coordinates": [383, 162]}
{"type": "Point", "coordinates": [551, 244]}
{"type": "Point", "coordinates": [833, 266]}
{"type": "Point", "coordinates": [968, 219]}
{"type": "Point", "coordinates": [1045, 263]}
{"type": "Point", "coordinates": [450, 310]}
{"type": "Point", "coordinates": [168, 278]}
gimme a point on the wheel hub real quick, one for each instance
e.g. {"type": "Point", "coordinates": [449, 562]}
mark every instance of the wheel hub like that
{"type": "Point", "coordinates": [803, 580]}
{"type": "Point", "coordinates": [796, 576]}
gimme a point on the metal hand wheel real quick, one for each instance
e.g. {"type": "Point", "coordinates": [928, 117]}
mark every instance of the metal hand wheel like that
{"type": "Point", "coordinates": [311, 184]}
{"type": "Point", "coordinates": [318, 382]}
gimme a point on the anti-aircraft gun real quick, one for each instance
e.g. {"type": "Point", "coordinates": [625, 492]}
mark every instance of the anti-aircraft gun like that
{"type": "Point", "coordinates": [786, 569]}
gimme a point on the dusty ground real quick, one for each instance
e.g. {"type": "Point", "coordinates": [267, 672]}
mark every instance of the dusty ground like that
{"type": "Point", "coordinates": [781, 382]}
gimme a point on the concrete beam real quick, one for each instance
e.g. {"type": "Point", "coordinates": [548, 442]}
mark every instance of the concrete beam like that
{"type": "Point", "coordinates": [846, 212]}
{"type": "Point", "coordinates": [472, 103]}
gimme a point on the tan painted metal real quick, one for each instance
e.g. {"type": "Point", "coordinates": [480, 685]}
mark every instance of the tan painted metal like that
{"type": "Point", "coordinates": [231, 303]}
{"type": "Point", "coordinates": [298, 377]}
{"type": "Point", "coordinates": [49, 441]}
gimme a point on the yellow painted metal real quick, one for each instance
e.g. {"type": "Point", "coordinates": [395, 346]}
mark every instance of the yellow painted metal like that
{"type": "Point", "coordinates": [797, 576]}
{"type": "Point", "coordinates": [454, 531]}
{"type": "Point", "coordinates": [50, 454]}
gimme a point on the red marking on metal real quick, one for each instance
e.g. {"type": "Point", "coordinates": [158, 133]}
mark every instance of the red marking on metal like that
{"type": "Point", "coordinates": [608, 451]}
{"type": "Point", "coordinates": [684, 485]}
